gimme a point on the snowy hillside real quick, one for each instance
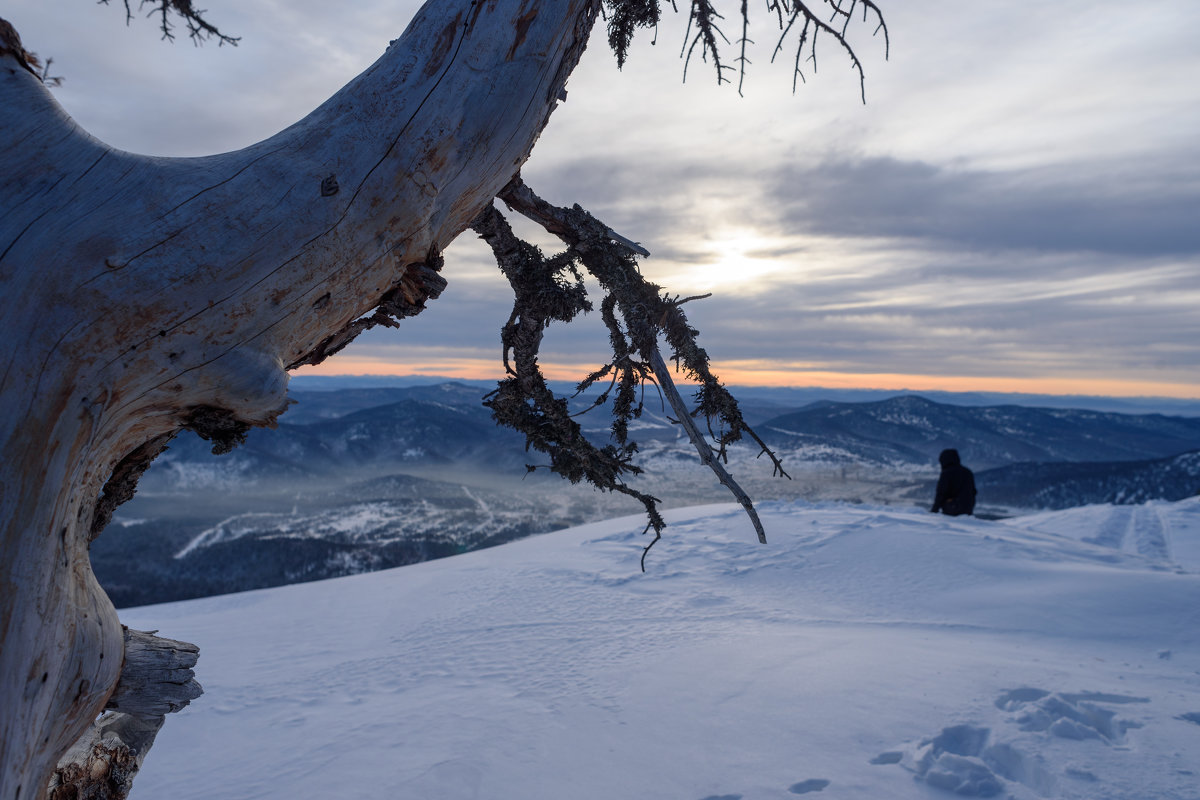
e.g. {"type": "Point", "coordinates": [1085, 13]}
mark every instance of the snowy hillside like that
{"type": "Point", "coordinates": [865, 653]}
{"type": "Point", "coordinates": [1063, 485]}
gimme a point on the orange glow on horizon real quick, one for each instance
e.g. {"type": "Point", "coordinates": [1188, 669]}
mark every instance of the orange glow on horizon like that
{"type": "Point", "coordinates": [749, 373]}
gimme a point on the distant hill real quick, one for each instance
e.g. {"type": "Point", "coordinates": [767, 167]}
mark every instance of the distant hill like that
{"type": "Point", "coordinates": [1066, 485]}
{"type": "Point", "coordinates": [315, 406]}
{"type": "Point", "coordinates": [350, 433]}
{"type": "Point", "coordinates": [912, 429]}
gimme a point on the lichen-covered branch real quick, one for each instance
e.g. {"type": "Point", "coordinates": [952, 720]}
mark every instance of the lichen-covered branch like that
{"type": "Point", "coordinates": [636, 313]}
{"type": "Point", "coordinates": [546, 290]}
{"type": "Point", "coordinates": [645, 311]}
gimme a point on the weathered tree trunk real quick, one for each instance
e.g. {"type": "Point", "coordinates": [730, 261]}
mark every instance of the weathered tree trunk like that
{"type": "Point", "coordinates": [144, 295]}
{"type": "Point", "coordinates": [156, 679]}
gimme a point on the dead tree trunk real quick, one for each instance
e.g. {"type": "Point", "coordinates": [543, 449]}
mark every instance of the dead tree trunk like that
{"type": "Point", "coordinates": [156, 679]}
{"type": "Point", "coordinates": [145, 295]}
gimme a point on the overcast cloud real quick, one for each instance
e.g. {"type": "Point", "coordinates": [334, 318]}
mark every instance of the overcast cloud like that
{"type": "Point", "coordinates": [1019, 198]}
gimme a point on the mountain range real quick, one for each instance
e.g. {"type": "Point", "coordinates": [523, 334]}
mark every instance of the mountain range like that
{"type": "Point", "coordinates": [447, 425]}
{"type": "Point", "coordinates": [368, 478]}
{"type": "Point", "coordinates": [911, 429]}
{"type": "Point", "coordinates": [1062, 485]}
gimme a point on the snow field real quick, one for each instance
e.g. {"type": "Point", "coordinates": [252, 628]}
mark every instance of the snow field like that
{"type": "Point", "coordinates": [863, 653]}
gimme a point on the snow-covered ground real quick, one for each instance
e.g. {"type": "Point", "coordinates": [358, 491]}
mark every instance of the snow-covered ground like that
{"type": "Point", "coordinates": [866, 653]}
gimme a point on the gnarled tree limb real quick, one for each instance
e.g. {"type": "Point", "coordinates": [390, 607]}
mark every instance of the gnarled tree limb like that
{"type": "Point", "coordinates": [636, 314]}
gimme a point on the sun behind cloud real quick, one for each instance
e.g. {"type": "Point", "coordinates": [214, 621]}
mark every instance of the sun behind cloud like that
{"type": "Point", "coordinates": [736, 261]}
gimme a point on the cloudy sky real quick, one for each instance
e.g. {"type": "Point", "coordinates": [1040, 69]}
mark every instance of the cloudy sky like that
{"type": "Point", "coordinates": [1015, 208]}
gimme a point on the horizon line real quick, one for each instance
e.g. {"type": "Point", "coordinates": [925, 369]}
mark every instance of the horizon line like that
{"type": "Point", "coordinates": [752, 375]}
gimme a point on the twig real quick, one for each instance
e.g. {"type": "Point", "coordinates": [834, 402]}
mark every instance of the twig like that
{"type": "Point", "coordinates": [198, 27]}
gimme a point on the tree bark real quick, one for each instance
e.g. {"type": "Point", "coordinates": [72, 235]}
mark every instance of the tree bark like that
{"type": "Point", "coordinates": [143, 295]}
{"type": "Point", "coordinates": [103, 763]}
{"type": "Point", "coordinates": [156, 680]}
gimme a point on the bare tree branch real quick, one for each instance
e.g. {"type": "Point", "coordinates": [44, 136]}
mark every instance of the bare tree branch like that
{"type": "Point", "coordinates": [703, 31]}
{"type": "Point", "coordinates": [707, 457]}
{"type": "Point", "coordinates": [199, 29]}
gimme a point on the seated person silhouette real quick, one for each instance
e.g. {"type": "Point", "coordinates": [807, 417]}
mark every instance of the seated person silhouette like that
{"type": "Point", "coordinates": [955, 493]}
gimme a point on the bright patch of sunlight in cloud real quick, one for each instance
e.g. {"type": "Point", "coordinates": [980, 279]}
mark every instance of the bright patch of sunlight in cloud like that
{"type": "Point", "coordinates": [736, 261]}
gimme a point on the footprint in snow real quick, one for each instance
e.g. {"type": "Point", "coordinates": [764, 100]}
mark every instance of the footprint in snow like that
{"type": "Point", "coordinates": [1069, 716]}
{"type": "Point", "coordinates": [810, 785]}
{"type": "Point", "coordinates": [1191, 716]}
{"type": "Point", "coordinates": [958, 760]}
{"type": "Point", "coordinates": [969, 761]}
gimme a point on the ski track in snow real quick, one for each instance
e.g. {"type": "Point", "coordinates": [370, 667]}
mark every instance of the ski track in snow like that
{"type": "Point", "coordinates": [1114, 529]}
{"type": "Point", "coordinates": [1133, 529]}
{"type": "Point", "coordinates": [1150, 534]}
{"type": "Point", "coordinates": [1169, 540]}
{"type": "Point", "coordinates": [864, 653]}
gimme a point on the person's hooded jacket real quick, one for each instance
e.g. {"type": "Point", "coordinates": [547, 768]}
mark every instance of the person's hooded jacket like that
{"type": "Point", "coordinates": [955, 493]}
